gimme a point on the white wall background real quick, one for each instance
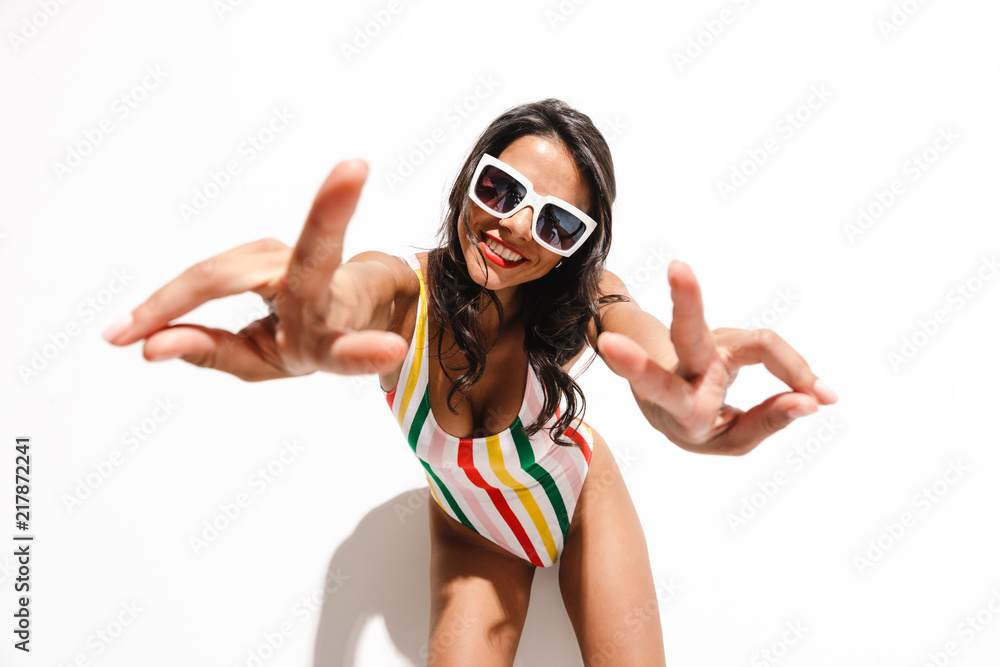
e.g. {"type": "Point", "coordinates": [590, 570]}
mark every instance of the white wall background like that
{"type": "Point", "coordinates": [895, 75]}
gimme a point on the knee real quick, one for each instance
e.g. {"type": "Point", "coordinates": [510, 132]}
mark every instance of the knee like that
{"type": "Point", "coordinates": [466, 636]}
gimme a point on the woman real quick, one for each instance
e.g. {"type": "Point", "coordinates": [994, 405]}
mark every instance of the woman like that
{"type": "Point", "coordinates": [520, 280]}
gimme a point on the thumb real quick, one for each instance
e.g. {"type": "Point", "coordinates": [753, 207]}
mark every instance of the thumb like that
{"type": "Point", "coordinates": [622, 354]}
{"type": "Point", "coordinates": [365, 352]}
{"type": "Point", "coordinates": [761, 421]}
{"type": "Point", "coordinates": [212, 348]}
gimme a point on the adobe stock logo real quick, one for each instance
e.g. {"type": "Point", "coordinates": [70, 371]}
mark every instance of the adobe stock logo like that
{"type": "Point", "coordinates": [959, 296]}
{"type": "Point", "coordinates": [787, 126]}
{"type": "Point", "coordinates": [123, 107]}
{"type": "Point", "coordinates": [453, 117]}
{"type": "Point", "coordinates": [88, 309]}
{"type": "Point", "coordinates": [894, 530]}
{"type": "Point", "coordinates": [914, 168]}
{"type": "Point", "coordinates": [31, 25]}
{"type": "Point", "coordinates": [250, 147]}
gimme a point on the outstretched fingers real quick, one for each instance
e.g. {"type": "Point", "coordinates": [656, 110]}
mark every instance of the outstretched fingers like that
{"type": "Point", "coordinates": [689, 332]}
{"type": "Point", "coordinates": [648, 379]}
{"type": "Point", "coordinates": [752, 427]}
{"type": "Point", "coordinates": [214, 348]}
{"type": "Point", "coordinates": [319, 250]}
{"type": "Point", "coordinates": [779, 358]}
{"type": "Point", "coordinates": [364, 352]}
{"type": "Point", "coordinates": [247, 267]}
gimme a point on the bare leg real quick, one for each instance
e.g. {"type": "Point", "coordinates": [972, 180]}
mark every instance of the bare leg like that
{"type": "Point", "coordinates": [605, 576]}
{"type": "Point", "coordinates": [479, 596]}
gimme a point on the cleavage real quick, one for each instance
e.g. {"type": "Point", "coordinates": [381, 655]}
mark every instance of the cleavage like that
{"type": "Point", "coordinates": [493, 403]}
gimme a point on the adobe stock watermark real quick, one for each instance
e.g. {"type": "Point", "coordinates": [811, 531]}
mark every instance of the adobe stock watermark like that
{"type": "Point", "coordinates": [269, 643]}
{"type": "Point", "coordinates": [230, 511]}
{"type": "Point", "coordinates": [783, 301]}
{"type": "Point", "coordinates": [258, 312]}
{"type": "Point", "coordinates": [899, 16]}
{"type": "Point", "coordinates": [249, 148]}
{"type": "Point", "coordinates": [107, 635]}
{"type": "Point", "coordinates": [652, 267]}
{"type": "Point", "coordinates": [32, 24]}
{"type": "Point", "coordinates": [779, 648]}
{"type": "Point", "coordinates": [123, 106]}
{"type": "Point", "coordinates": [642, 613]}
{"type": "Point", "coordinates": [925, 330]}
{"type": "Point", "coordinates": [966, 631]}
{"type": "Point", "coordinates": [453, 119]}
{"type": "Point", "coordinates": [415, 500]}
{"type": "Point", "coordinates": [787, 126]}
{"type": "Point", "coordinates": [751, 504]}
{"type": "Point", "coordinates": [560, 13]}
{"type": "Point", "coordinates": [912, 170]}
{"type": "Point", "coordinates": [923, 501]}
{"type": "Point", "coordinates": [612, 128]}
{"type": "Point", "coordinates": [445, 638]}
{"type": "Point", "coordinates": [369, 31]}
{"type": "Point", "coordinates": [707, 35]}
{"type": "Point", "coordinates": [131, 439]}
{"type": "Point", "coordinates": [87, 311]}
{"type": "Point", "coordinates": [223, 8]}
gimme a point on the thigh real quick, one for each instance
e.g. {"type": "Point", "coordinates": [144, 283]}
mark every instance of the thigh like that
{"type": "Point", "coordinates": [604, 573]}
{"type": "Point", "coordinates": [479, 596]}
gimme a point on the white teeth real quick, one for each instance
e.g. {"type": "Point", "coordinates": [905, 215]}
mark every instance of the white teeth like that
{"type": "Point", "coordinates": [509, 255]}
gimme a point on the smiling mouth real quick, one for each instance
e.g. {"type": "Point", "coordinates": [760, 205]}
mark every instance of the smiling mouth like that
{"type": "Point", "coordinates": [499, 254]}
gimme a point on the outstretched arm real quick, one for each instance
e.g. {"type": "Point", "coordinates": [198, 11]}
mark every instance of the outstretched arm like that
{"type": "Point", "coordinates": [679, 376]}
{"type": "Point", "coordinates": [326, 315]}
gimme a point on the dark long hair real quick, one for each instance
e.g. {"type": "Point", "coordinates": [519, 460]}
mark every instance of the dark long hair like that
{"type": "Point", "coordinates": [558, 306]}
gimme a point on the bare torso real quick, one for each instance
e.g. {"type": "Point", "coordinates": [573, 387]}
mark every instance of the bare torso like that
{"type": "Point", "coordinates": [494, 401]}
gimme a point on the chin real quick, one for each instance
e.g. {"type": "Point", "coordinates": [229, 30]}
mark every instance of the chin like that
{"type": "Point", "coordinates": [488, 280]}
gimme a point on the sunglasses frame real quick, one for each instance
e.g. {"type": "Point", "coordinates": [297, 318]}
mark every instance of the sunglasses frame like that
{"type": "Point", "coordinates": [531, 198]}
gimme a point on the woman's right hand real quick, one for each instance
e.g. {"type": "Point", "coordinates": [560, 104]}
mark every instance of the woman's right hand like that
{"type": "Point", "coordinates": [315, 323]}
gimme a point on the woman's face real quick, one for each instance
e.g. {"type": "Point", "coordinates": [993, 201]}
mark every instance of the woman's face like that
{"type": "Point", "coordinates": [551, 169]}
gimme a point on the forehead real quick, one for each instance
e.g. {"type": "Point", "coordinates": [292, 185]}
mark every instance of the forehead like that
{"type": "Point", "coordinates": [550, 168]}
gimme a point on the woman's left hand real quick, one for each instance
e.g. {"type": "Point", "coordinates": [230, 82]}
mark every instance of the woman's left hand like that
{"type": "Point", "coordinates": [687, 402]}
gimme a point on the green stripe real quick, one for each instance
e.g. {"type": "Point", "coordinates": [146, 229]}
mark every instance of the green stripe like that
{"type": "Point", "coordinates": [416, 426]}
{"type": "Point", "coordinates": [447, 495]}
{"type": "Point", "coordinates": [540, 474]}
{"type": "Point", "coordinates": [419, 418]}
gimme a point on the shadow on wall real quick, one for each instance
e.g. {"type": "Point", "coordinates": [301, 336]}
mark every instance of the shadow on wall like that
{"type": "Point", "coordinates": [384, 569]}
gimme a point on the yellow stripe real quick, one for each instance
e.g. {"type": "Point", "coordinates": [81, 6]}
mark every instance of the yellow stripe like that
{"type": "Point", "coordinates": [431, 484]}
{"type": "Point", "coordinates": [500, 470]}
{"type": "Point", "coordinates": [418, 357]}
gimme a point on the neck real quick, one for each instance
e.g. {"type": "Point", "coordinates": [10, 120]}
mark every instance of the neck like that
{"type": "Point", "coordinates": [510, 298]}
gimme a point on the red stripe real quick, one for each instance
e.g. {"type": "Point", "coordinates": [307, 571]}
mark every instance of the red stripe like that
{"type": "Point", "coordinates": [577, 438]}
{"type": "Point", "coordinates": [391, 395]}
{"type": "Point", "coordinates": [465, 460]}
{"type": "Point", "coordinates": [580, 439]}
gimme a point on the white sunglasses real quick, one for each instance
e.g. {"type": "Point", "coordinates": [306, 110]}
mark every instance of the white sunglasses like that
{"type": "Point", "coordinates": [502, 191]}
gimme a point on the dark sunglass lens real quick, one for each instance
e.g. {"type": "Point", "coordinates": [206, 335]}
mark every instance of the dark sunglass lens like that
{"type": "Point", "coordinates": [498, 190]}
{"type": "Point", "coordinates": [560, 228]}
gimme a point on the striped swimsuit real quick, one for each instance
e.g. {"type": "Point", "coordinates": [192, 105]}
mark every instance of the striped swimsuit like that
{"type": "Point", "coordinates": [518, 492]}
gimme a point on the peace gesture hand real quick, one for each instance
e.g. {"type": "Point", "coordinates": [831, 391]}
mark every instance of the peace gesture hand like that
{"type": "Point", "coordinates": [687, 402]}
{"type": "Point", "coordinates": [321, 313]}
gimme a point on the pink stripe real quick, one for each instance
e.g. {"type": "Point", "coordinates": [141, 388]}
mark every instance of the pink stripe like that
{"type": "Point", "coordinates": [435, 457]}
{"type": "Point", "coordinates": [558, 453]}
{"type": "Point", "coordinates": [566, 461]}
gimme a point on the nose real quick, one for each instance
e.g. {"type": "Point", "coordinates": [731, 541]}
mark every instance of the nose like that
{"type": "Point", "coordinates": [519, 224]}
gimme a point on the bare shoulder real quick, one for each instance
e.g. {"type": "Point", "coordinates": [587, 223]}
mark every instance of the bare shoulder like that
{"type": "Point", "coordinates": [610, 284]}
{"type": "Point", "coordinates": [405, 286]}
{"type": "Point", "coordinates": [406, 280]}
